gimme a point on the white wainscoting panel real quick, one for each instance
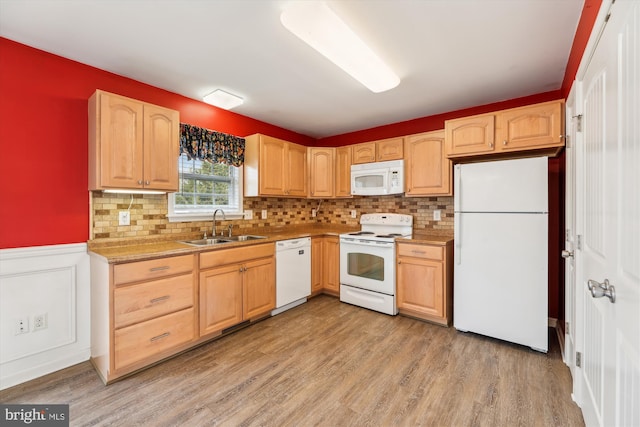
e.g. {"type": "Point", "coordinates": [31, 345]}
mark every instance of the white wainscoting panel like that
{"type": "Point", "coordinates": [43, 280]}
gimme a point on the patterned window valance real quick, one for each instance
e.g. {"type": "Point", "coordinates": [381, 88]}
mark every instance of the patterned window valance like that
{"type": "Point", "coordinates": [211, 146]}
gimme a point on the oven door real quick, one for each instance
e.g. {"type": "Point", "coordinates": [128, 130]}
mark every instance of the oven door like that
{"type": "Point", "coordinates": [368, 264]}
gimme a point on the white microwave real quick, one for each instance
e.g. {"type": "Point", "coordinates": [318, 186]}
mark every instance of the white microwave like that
{"type": "Point", "coordinates": [380, 178]}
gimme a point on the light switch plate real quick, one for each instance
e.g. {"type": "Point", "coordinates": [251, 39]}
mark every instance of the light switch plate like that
{"type": "Point", "coordinates": [353, 213]}
{"type": "Point", "coordinates": [248, 214]}
{"type": "Point", "coordinates": [314, 213]}
{"type": "Point", "coordinates": [436, 215]}
{"type": "Point", "coordinates": [264, 214]}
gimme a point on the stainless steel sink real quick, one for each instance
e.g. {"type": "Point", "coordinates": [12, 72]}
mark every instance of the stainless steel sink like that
{"type": "Point", "coordinates": [205, 242]}
{"type": "Point", "coordinates": [220, 240]}
{"type": "Point", "coordinates": [243, 238]}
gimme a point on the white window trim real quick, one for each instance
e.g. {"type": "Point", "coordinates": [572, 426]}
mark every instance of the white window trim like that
{"type": "Point", "coordinates": [207, 215]}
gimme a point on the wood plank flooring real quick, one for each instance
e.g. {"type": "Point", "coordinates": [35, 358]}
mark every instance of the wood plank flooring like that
{"type": "Point", "coordinates": [326, 363]}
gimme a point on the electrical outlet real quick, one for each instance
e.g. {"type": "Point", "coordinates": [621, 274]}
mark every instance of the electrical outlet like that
{"type": "Point", "coordinates": [353, 213]}
{"type": "Point", "coordinates": [124, 218]}
{"type": "Point", "coordinates": [22, 325]}
{"type": "Point", "coordinates": [314, 213]}
{"type": "Point", "coordinates": [436, 215]}
{"type": "Point", "coordinates": [248, 214]}
{"type": "Point", "coordinates": [40, 322]}
{"type": "Point", "coordinates": [264, 214]}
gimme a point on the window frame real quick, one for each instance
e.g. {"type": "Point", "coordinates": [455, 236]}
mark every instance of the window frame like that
{"type": "Point", "coordinates": [207, 215]}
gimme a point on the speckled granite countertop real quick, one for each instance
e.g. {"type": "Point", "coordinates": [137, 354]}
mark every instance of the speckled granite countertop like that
{"type": "Point", "coordinates": [132, 249]}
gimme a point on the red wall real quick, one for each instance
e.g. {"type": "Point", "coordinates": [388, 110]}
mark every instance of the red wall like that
{"type": "Point", "coordinates": [43, 140]}
{"type": "Point", "coordinates": [43, 134]}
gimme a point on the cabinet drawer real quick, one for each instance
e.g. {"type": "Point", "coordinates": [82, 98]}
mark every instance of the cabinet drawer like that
{"type": "Point", "coordinates": [421, 251]}
{"type": "Point", "coordinates": [152, 269]}
{"type": "Point", "coordinates": [137, 303]}
{"type": "Point", "coordinates": [235, 255]}
{"type": "Point", "coordinates": [143, 340]}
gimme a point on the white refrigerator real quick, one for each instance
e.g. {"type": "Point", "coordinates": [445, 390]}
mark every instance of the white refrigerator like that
{"type": "Point", "coordinates": [500, 250]}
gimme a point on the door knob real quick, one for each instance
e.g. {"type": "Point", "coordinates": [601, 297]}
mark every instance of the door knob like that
{"type": "Point", "coordinates": [567, 254]}
{"type": "Point", "coordinates": [604, 289]}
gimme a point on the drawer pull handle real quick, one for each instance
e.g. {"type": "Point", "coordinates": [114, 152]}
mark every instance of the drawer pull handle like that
{"type": "Point", "coordinates": [159, 337]}
{"type": "Point", "coordinates": [418, 252]}
{"type": "Point", "coordinates": [164, 267]}
{"type": "Point", "coordinates": [159, 299]}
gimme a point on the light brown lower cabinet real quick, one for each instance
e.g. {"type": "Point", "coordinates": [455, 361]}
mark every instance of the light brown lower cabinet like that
{"type": "Point", "coordinates": [425, 281]}
{"type": "Point", "coordinates": [141, 312]}
{"type": "Point", "coordinates": [236, 285]}
{"type": "Point", "coordinates": [331, 265]}
{"type": "Point", "coordinates": [325, 265]}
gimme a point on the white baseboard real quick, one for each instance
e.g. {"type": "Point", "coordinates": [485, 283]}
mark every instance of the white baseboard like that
{"type": "Point", "coordinates": [50, 280]}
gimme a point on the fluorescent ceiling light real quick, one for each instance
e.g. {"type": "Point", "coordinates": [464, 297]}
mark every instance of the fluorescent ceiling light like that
{"type": "Point", "coordinates": [323, 30]}
{"type": "Point", "coordinates": [222, 99]}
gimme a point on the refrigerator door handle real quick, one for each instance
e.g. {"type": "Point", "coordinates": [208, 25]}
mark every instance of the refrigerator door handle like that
{"type": "Point", "coordinates": [457, 189]}
{"type": "Point", "coordinates": [456, 238]}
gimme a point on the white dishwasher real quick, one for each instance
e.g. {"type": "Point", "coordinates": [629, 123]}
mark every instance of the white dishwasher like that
{"type": "Point", "coordinates": [293, 273]}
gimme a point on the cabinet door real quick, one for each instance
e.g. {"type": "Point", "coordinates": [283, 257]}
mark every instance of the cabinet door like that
{"type": "Point", "coordinates": [535, 126]}
{"type": "Point", "coordinates": [420, 286]}
{"type": "Point", "coordinates": [389, 149]}
{"type": "Point", "coordinates": [343, 172]}
{"type": "Point", "coordinates": [273, 166]}
{"type": "Point", "coordinates": [121, 142]}
{"type": "Point", "coordinates": [470, 135]}
{"type": "Point", "coordinates": [331, 264]}
{"type": "Point", "coordinates": [427, 169]}
{"type": "Point", "coordinates": [220, 298]}
{"type": "Point", "coordinates": [296, 171]}
{"type": "Point", "coordinates": [363, 153]}
{"type": "Point", "coordinates": [316, 264]}
{"type": "Point", "coordinates": [161, 148]}
{"type": "Point", "coordinates": [259, 283]}
{"type": "Point", "coordinates": [321, 172]}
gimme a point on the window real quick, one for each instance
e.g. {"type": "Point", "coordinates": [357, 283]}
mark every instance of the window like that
{"type": "Point", "coordinates": [205, 187]}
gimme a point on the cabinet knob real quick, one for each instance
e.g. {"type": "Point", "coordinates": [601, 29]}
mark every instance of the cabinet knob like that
{"type": "Point", "coordinates": [491, 145]}
{"type": "Point", "coordinates": [147, 182]}
{"type": "Point", "coordinates": [504, 142]}
{"type": "Point", "coordinates": [139, 182]}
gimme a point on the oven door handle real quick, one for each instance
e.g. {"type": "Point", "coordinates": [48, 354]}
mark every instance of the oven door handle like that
{"type": "Point", "coordinates": [359, 242]}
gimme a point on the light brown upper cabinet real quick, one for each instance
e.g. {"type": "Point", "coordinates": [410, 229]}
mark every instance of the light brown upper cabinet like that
{"type": "Point", "coordinates": [321, 171]}
{"type": "Point", "coordinates": [132, 144]}
{"type": "Point", "coordinates": [274, 167]}
{"type": "Point", "coordinates": [535, 126]}
{"type": "Point", "coordinates": [470, 135]}
{"type": "Point", "coordinates": [538, 127]}
{"type": "Point", "coordinates": [427, 168]}
{"type": "Point", "coordinates": [343, 172]}
{"type": "Point", "coordinates": [377, 151]}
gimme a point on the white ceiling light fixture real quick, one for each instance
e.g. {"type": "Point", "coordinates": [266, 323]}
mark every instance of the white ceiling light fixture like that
{"type": "Point", "coordinates": [220, 98]}
{"type": "Point", "coordinates": [318, 26]}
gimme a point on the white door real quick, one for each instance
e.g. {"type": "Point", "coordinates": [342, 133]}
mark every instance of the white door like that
{"type": "Point", "coordinates": [608, 192]}
{"type": "Point", "coordinates": [573, 120]}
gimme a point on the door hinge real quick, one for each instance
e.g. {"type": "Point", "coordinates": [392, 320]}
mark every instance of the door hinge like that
{"type": "Point", "coordinates": [578, 359]}
{"type": "Point", "coordinates": [579, 242]}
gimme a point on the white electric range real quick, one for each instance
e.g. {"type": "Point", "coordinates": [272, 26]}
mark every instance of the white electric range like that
{"type": "Point", "coordinates": [367, 261]}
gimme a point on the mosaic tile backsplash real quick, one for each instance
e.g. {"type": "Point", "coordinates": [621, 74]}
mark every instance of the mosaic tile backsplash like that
{"type": "Point", "coordinates": [149, 214]}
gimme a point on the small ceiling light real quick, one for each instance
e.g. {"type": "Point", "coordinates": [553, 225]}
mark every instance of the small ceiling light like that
{"type": "Point", "coordinates": [323, 30]}
{"type": "Point", "coordinates": [222, 99]}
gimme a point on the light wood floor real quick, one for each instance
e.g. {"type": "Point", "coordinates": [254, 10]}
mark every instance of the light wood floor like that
{"type": "Point", "coordinates": [330, 364]}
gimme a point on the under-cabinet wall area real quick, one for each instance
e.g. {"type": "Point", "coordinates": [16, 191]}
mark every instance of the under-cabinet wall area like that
{"type": "Point", "coordinates": [149, 213]}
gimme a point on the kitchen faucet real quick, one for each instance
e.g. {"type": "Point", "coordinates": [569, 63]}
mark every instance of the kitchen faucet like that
{"type": "Point", "coordinates": [214, 220]}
